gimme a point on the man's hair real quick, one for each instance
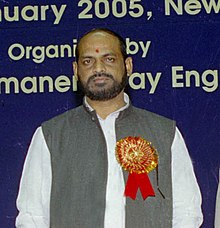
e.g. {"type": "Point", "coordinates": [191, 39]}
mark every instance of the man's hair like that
{"type": "Point", "coordinates": [122, 42]}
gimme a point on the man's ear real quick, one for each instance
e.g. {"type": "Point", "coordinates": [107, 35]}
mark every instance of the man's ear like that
{"type": "Point", "coordinates": [75, 70]}
{"type": "Point", "coordinates": [129, 65]}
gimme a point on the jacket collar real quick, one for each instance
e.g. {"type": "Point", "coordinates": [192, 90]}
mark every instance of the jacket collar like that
{"type": "Point", "coordinates": [124, 111]}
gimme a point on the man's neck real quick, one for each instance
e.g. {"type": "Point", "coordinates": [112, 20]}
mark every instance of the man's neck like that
{"type": "Point", "coordinates": [104, 108]}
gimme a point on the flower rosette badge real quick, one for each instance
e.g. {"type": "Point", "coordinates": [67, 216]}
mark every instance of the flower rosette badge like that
{"type": "Point", "coordinates": [137, 156]}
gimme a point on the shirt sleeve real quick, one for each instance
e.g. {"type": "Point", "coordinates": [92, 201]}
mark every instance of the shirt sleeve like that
{"type": "Point", "coordinates": [187, 199]}
{"type": "Point", "coordinates": [217, 206]}
{"type": "Point", "coordinates": [35, 186]}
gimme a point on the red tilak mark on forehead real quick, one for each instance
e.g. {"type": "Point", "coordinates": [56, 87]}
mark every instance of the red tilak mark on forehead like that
{"type": "Point", "coordinates": [97, 50]}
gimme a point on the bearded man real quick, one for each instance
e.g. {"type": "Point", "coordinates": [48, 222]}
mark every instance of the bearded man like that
{"type": "Point", "coordinates": [71, 176]}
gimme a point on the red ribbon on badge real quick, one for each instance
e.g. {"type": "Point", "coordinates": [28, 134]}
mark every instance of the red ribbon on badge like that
{"type": "Point", "coordinates": [136, 181]}
{"type": "Point", "coordinates": [138, 157]}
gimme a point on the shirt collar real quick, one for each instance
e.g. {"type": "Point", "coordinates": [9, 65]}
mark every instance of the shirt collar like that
{"type": "Point", "coordinates": [126, 100]}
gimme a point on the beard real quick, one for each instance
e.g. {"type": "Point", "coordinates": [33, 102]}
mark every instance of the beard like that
{"type": "Point", "coordinates": [102, 91]}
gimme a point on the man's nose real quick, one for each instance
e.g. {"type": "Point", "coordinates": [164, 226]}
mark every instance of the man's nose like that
{"type": "Point", "coordinates": [98, 67]}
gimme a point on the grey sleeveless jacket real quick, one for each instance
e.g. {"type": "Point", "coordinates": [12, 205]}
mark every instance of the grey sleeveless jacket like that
{"type": "Point", "coordinates": [79, 168]}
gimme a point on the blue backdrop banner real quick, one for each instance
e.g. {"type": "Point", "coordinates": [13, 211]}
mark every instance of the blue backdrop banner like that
{"type": "Point", "coordinates": [176, 53]}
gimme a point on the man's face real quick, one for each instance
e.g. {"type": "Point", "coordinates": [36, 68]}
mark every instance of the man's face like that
{"type": "Point", "coordinates": [101, 69]}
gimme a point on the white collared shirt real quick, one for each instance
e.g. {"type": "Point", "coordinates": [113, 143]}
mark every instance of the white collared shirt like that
{"type": "Point", "coordinates": [34, 195]}
{"type": "Point", "coordinates": [115, 200]}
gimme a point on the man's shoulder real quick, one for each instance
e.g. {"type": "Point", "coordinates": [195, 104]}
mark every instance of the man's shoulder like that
{"type": "Point", "coordinates": [70, 115]}
{"type": "Point", "coordinates": [143, 113]}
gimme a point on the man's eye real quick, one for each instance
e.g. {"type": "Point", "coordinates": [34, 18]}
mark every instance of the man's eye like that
{"type": "Point", "coordinates": [110, 59]}
{"type": "Point", "coordinates": [86, 61]}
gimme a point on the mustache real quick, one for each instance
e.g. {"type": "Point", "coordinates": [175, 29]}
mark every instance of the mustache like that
{"type": "Point", "coordinates": [92, 77]}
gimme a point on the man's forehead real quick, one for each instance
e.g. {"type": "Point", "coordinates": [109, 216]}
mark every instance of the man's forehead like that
{"type": "Point", "coordinates": [99, 34]}
{"type": "Point", "coordinates": [99, 41]}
